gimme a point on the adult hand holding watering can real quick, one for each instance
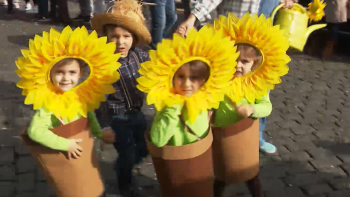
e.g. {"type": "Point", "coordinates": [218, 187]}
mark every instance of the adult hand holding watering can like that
{"type": "Point", "coordinates": [288, 3]}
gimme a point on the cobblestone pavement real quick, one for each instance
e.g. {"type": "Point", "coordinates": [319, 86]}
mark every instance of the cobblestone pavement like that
{"type": "Point", "coordinates": [308, 124]}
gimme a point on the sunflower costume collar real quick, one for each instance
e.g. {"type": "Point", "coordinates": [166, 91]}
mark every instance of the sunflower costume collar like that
{"type": "Point", "coordinates": [44, 52]}
{"type": "Point", "coordinates": [260, 33]}
{"type": "Point", "coordinates": [206, 45]}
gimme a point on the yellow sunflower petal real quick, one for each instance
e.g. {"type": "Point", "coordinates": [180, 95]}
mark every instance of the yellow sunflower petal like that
{"type": "Point", "coordinates": [205, 45]}
{"type": "Point", "coordinates": [35, 64]}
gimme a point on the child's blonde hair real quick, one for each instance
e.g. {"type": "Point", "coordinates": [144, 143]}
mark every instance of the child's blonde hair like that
{"type": "Point", "coordinates": [249, 51]}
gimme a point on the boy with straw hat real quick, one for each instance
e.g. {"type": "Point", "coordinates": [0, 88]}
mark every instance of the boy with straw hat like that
{"type": "Point", "coordinates": [124, 25]}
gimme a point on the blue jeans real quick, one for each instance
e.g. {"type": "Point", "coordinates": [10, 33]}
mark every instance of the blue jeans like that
{"type": "Point", "coordinates": [130, 144]}
{"type": "Point", "coordinates": [267, 6]}
{"type": "Point", "coordinates": [262, 126]}
{"type": "Point", "coordinates": [163, 18]}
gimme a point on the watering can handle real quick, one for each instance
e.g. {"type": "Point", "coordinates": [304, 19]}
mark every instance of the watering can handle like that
{"type": "Point", "coordinates": [275, 10]}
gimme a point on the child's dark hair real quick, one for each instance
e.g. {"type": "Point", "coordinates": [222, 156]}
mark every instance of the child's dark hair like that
{"type": "Point", "coordinates": [249, 51]}
{"type": "Point", "coordinates": [199, 69]}
{"type": "Point", "coordinates": [108, 27]}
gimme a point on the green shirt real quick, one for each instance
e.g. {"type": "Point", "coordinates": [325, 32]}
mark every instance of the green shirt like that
{"type": "Point", "coordinates": [167, 128]}
{"type": "Point", "coordinates": [43, 120]}
{"type": "Point", "coordinates": [226, 114]}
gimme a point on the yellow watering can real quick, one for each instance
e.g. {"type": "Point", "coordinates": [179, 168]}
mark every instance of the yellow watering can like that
{"type": "Point", "coordinates": [295, 24]}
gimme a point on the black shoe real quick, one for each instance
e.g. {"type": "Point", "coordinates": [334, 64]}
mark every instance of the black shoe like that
{"type": "Point", "coordinates": [10, 11]}
{"type": "Point", "coordinates": [85, 19]}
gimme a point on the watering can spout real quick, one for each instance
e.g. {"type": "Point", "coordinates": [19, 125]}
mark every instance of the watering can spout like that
{"type": "Point", "coordinates": [312, 28]}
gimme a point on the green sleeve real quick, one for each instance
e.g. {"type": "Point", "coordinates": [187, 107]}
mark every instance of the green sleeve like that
{"type": "Point", "coordinates": [39, 132]}
{"type": "Point", "coordinates": [262, 107]}
{"type": "Point", "coordinates": [164, 124]}
{"type": "Point", "coordinates": [94, 125]}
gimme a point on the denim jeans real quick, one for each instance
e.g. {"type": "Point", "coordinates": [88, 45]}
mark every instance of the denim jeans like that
{"type": "Point", "coordinates": [130, 144]}
{"type": "Point", "coordinates": [262, 126]}
{"type": "Point", "coordinates": [267, 6]}
{"type": "Point", "coordinates": [163, 18]}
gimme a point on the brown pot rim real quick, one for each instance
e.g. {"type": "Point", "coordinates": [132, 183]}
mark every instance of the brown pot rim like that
{"type": "Point", "coordinates": [187, 151]}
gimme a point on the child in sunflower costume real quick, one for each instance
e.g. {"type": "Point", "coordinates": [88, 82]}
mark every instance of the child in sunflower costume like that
{"type": "Point", "coordinates": [59, 134]}
{"type": "Point", "coordinates": [184, 79]}
{"type": "Point", "coordinates": [125, 27]}
{"type": "Point", "coordinates": [261, 63]}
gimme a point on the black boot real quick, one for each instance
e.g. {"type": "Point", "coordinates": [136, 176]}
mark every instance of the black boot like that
{"type": "Point", "coordinates": [254, 186]}
{"type": "Point", "coordinates": [219, 188]}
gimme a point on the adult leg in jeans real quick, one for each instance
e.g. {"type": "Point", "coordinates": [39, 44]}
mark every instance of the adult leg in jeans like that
{"type": "Point", "coordinates": [267, 6]}
{"type": "Point", "coordinates": [163, 18]}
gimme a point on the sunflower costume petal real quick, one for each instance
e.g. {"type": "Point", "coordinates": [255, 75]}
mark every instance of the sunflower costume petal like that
{"type": "Point", "coordinates": [205, 45]}
{"type": "Point", "coordinates": [316, 10]}
{"type": "Point", "coordinates": [44, 52]}
{"type": "Point", "coordinates": [272, 44]}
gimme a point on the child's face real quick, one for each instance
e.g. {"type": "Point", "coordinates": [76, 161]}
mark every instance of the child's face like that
{"type": "Point", "coordinates": [67, 76]}
{"type": "Point", "coordinates": [185, 83]}
{"type": "Point", "coordinates": [122, 38]}
{"type": "Point", "coordinates": [244, 66]}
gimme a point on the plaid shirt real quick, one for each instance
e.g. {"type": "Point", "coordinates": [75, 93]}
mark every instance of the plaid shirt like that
{"type": "Point", "coordinates": [126, 95]}
{"type": "Point", "coordinates": [203, 8]}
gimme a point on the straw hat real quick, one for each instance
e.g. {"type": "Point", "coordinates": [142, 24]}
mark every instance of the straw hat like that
{"type": "Point", "coordinates": [126, 14]}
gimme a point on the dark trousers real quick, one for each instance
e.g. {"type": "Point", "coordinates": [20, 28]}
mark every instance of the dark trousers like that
{"type": "Point", "coordinates": [254, 186]}
{"type": "Point", "coordinates": [10, 5]}
{"type": "Point", "coordinates": [186, 5]}
{"type": "Point", "coordinates": [62, 9]}
{"type": "Point", "coordinates": [34, 1]}
{"type": "Point", "coordinates": [43, 6]}
{"type": "Point", "coordinates": [333, 29]}
{"type": "Point", "coordinates": [130, 144]}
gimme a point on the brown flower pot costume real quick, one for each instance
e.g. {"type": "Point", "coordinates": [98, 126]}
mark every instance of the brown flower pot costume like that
{"type": "Point", "coordinates": [74, 177]}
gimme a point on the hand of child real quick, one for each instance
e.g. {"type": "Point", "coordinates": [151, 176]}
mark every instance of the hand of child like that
{"type": "Point", "coordinates": [108, 136]}
{"type": "Point", "coordinates": [245, 110]}
{"type": "Point", "coordinates": [74, 149]}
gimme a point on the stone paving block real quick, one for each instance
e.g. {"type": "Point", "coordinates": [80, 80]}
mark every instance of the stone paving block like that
{"type": "Point", "coordinates": [39, 175]}
{"type": "Point", "coordinates": [267, 172]}
{"type": "Point", "coordinates": [346, 167]}
{"type": "Point", "coordinates": [7, 173]}
{"type": "Point", "coordinates": [288, 124]}
{"type": "Point", "coordinates": [272, 184]}
{"type": "Point", "coordinates": [7, 189]}
{"type": "Point", "coordinates": [331, 172]}
{"type": "Point", "coordinates": [321, 154]}
{"type": "Point", "coordinates": [329, 163]}
{"type": "Point", "coordinates": [20, 147]}
{"type": "Point", "coordinates": [287, 192]}
{"type": "Point", "coordinates": [340, 183]}
{"type": "Point", "coordinates": [25, 164]}
{"type": "Point", "coordinates": [43, 189]}
{"type": "Point", "coordinates": [5, 138]}
{"type": "Point", "coordinates": [302, 179]}
{"type": "Point", "coordinates": [343, 193]}
{"type": "Point", "coordinates": [26, 194]}
{"type": "Point", "coordinates": [7, 155]}
{"type": "Point", "coordinates": [317, 189]}
{"type": "Point", "coordinates": [344, 157]}
{"type": "Point", "coordinates": [305, 129]}
{"type": "Point", "coordinates": [297, 167]}
{"type": "Point", "coordinates": [300, 156]}
{"type": "Point", "coordinates": [300, 146]}
{"type": "Point", "coordinates": [25, 182]}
